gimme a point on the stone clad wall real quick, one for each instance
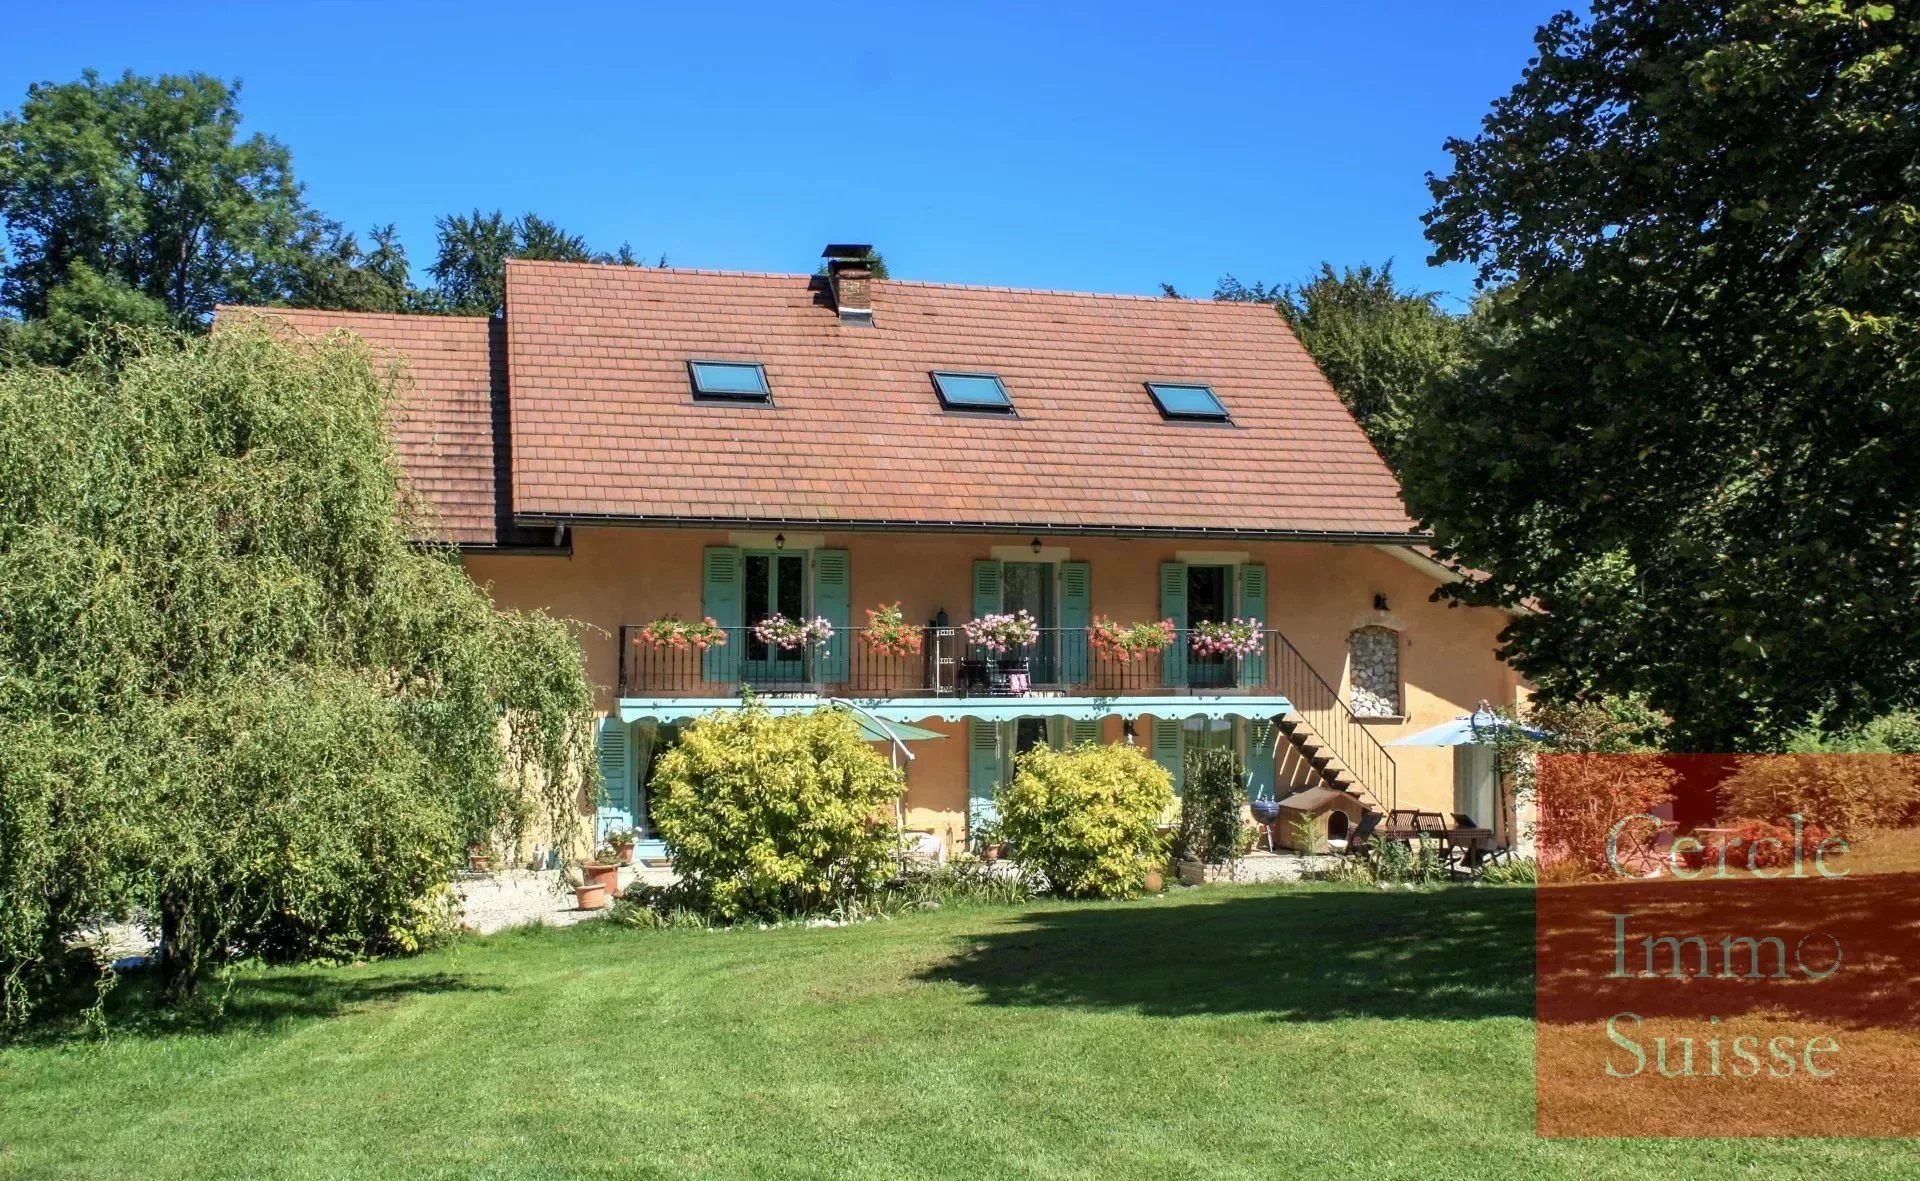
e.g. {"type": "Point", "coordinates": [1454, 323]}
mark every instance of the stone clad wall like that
{"type": "Point", "coordinates": [1375, 655]}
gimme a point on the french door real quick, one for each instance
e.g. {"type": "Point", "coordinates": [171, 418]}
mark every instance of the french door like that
{"type": "Point", "coordinates": [1209, 600]}
{"type": "Point", "coordinates": [775, 584]}
{"type": "Point", "coordinates": [1029, 587]}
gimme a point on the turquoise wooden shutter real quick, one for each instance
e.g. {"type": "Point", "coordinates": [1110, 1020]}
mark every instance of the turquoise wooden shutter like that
{"type": "Point", "coordinates": [832, 600]}
{"type": "Point", "coordinates": [1253, 605]}
{"type": "Point", "coordinates": [1166, 749]}
{"type": "Point", "coordinates": [1260, 765]}
{"type": "Point", "coordinates": [1076, 613]}
{"type": "Point", "coordinates": [721, 600]}
{"type": "Point", "coordinates": [1173, 605]}
{"type": "Point", "coordinates": [614, 746]}
{"type": "Point", "coordinates": [1085, 731]}
{"type": "Point", "coordinates": [983, 770]}
{"type": "Point", "coordinates": [986, 587]}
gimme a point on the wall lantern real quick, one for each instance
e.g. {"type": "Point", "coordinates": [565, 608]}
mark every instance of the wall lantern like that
{"type": "Point", "coordinates": [780, 542]}
{"type": "Point", "coordinates": [1035, 547]}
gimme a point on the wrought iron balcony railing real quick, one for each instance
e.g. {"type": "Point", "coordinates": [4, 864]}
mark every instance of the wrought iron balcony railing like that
{"type": "Point", "coordinates": [932, 662]}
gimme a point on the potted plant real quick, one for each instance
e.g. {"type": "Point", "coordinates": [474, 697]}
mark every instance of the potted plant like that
{"type": "Point", "coordinates": [1002, 634]}
{"type": "Point", "coordinates": [889, 633]}
{"type": "Point", "coordinates": [479, 857]}
{"type": "Point", "coordinates": [792, 635]}
{"type": "Point", "coordinates": [602, 870]}
{"type": "Point", "coordinates": [1134, 641]}
{"type": "Point", "coordinates": [989, 842]}
{"type": "Point", "coordinates": [671, 631]}
{"type": "Point", "coordinates": [590, 896]}
{"type": "Point", "coordinates": [1235, 638]}
{"type": "Point", "coordinates": [620, 840]}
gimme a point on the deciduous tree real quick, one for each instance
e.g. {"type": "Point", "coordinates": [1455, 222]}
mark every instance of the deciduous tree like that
{"type": "Point", "coordinates": [148, 182]}
{"type": "Point", "coordinates": [1382, 347]}
{"type": "Point", "coordinates": [234, 695]}
{"type": "Point", "coordinates": [1689, 425]}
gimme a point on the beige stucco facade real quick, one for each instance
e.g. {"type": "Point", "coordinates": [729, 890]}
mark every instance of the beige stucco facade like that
{"type": "Point", "coordinates": [1318, 595]}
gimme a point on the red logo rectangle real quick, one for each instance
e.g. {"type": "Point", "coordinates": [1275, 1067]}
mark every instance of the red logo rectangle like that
{"type": "Point", "coordinates": [1727, 947]}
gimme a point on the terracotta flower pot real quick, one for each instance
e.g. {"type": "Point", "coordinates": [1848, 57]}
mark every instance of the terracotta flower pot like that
{"type": "Point", "coordinates": [607, 877]}
{"type": "Point", "coordinates": [625, 853]}
{"type": "Point", "coordinates": [479, 862]}
{"type": "Point", "coordinates": [993, 852]}
{"type": "Point", "coordinates": [590, 897]}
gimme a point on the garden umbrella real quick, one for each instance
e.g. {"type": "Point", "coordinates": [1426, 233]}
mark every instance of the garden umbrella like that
{"type": "Point", "coordinates": [1482, 727]}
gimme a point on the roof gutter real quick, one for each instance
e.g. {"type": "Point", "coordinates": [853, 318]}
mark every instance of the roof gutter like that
{"type": "Point", "coordinates": [1346, 536]}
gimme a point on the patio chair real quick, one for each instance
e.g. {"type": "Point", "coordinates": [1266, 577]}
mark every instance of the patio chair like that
{"type": "Point", "coordinates": [1360, 838]}
{"type": "Point", "coordinates": [1403, 822]}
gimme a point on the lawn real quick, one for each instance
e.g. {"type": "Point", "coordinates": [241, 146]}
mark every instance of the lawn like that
{"type": "Point", "coordinates": [1225, 1032]}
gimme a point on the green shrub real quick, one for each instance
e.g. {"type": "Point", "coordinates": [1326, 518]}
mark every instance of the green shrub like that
{"type": "Point", "coordinates": [1515, 871]}
{"type": "Point", "coordinates": [1085, 817]}
{"type": "Point", "coordinates": [771, 816]}
{"type": "Point", "coordinates": [1842, 793]}
{"type": "Point", "coordinates": [1414, 862]}
{"type": "Point", "coordinates": [960, 882]}
{"type": "Point", "coordinates": [1210, 825]}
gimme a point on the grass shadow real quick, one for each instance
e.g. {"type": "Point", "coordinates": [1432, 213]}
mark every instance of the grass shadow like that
{"type": "Point", "coordinates": [243, 1002]}
{"type": "Point", "coordinates": [1319, 955]}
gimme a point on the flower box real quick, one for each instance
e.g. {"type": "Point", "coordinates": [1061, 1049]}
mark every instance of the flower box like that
{"type": "Point", "coordinates": [1236, 638]}
{"type": "Point", "coordinates": [1000, 633]}
{"type": "Point", "coordinates": [792, 635]}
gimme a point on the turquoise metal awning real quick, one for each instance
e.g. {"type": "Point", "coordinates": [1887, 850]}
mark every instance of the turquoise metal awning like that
{"type": "Point", "coordinates": [993, 709]}
{"type": "Point", "coordinates": [900, 730]}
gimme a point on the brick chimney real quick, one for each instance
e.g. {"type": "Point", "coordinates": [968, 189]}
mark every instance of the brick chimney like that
{"type": "Point", "coordinates": [850, 281]}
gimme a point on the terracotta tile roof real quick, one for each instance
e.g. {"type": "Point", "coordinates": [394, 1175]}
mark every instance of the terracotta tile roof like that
{"type": "Point", "coordinates": [604, 425]}
{"type": "Point", "coordinates": [450, 415]}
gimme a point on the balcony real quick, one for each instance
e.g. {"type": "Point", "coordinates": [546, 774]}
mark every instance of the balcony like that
{"type": "Point", "coordinates": [1061, 662]}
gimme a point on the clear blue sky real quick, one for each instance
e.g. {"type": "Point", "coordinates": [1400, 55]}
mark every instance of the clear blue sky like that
{"type": "Point", "coordinates": [1099, 147]}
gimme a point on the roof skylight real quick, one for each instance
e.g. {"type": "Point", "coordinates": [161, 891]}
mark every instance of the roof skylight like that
{"type": "Point", "coordinates": [1187, 401]}
{"type": "Point", "coordinates": [744, 381]}
{"type": "Point", "coordinates": [971, 391]}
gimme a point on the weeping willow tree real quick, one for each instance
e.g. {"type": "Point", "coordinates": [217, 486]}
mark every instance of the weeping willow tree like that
{"type": "Point", "coordinates": [234, 698]}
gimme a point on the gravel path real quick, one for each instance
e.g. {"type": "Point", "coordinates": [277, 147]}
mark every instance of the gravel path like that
{"type": "Point", "coordinates": [515, 898]}
{"type": "Point", "coordinates": [488, 902]}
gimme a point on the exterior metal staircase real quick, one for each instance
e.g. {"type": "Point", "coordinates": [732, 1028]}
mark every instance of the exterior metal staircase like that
{"type": "Point", "coordinates": [1342, 752]}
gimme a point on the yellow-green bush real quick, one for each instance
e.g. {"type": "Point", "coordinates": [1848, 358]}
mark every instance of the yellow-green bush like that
{"type": "Point", "coordinates": [1085, 817]}
{"type": "Point", "coordinates": [771, 816]}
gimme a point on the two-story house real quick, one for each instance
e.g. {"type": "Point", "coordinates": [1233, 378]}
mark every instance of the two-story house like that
{"type": "Point", "coordinates": [632, 446]}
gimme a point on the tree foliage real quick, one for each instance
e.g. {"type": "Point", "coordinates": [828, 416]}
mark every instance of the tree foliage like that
{"type": "Point", "coordinates": [233, 696]}
{"type": "Point", "coordinates": [147, 182]}
{"type": "Point", "coordinates": [81, 314]}
{"type": "Point", "coordinates": [333, 271]}
{"type": "Point", "coordinates": [1687, 428]}
{"type": "Point", "coordinates": [1382, 348]}
{"type": "Point", "coordinates": [470, 271]}
{"type": "Point", "coordinates": [768, 817]}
